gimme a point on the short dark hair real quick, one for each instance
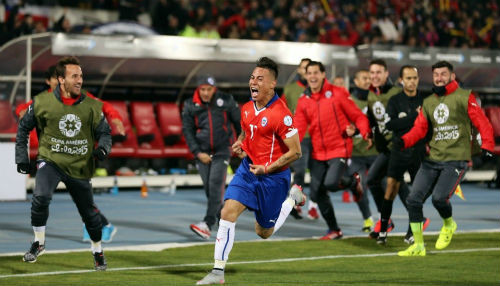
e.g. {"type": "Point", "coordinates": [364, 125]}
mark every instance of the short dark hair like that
{"type": "Point", "coordinates": [442, 64]}
{"type": "Point", "coordinates": [305, 60]}
{"type": "Point", "coordinates": [268, 64]}
{"type": "Point", "coordinates": [50, 72]}
{"type": "Point", "coordinates": [379, 62]}
{"type": "Point", "coordinates": [356, 74]}
{"type": "Point", "coordinates": [315, 63]}
{"type": "Point", "coordinates": [401, 70]}
{"type": "Point", "coordinates": [62, 63]}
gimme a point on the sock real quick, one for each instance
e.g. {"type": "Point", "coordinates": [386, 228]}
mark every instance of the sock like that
{"type": "Point", "coordinates": [223, 242]}
{"type": "Point", "coordinates": [312, 205]}
{"type": "Point", "coordinates": [96, 246]}
{"type": "Point", "coordinates": [219, 265]}
{"type": "Point", "coordinates": [448, 222]}
{"type": "Point", "coordinates": [418, 235]}
{"type": "Point", "coordinates": [286, 208]}
{"type": "Point", "coordinates": [385, 215]}
{"type": "Point", "coordinates": [39, 234]}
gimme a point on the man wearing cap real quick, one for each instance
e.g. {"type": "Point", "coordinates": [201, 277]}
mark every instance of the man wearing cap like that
{"type": "Point", "coordinates": [206, 123]}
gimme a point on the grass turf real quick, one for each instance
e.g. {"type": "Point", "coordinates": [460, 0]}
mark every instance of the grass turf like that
{"type": "Point", "coordinates": [353, 261]}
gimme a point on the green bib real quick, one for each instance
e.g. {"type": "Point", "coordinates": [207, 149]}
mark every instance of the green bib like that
{"type": "Point", "coordinates": [377, 105]}
{"type": "Point", "coordinates": [358, 144]}
{"type": "Point", "coordinates": [451, 126]}
{"type": "Point", "coordinates": [67, 133]}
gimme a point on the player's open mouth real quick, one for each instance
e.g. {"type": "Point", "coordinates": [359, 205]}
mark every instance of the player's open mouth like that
{"type": "Point", "coordinates": [254, 91]}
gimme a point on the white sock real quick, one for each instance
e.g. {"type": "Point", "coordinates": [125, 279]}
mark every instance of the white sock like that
{"type": "Point", "coordinates": [286, 208]}
{"type": "Point", "coordinates": [95, 246]}
{"type": "Point", "coordinates": [39, 234]}
{"type": "Point", "coordinates": [312, 205]}
{"type": "Point", "coordinates": [223, 242]}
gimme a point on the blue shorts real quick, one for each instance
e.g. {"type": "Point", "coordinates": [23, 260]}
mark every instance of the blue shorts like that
{"type": "Point", "coordinates": [263, 194]}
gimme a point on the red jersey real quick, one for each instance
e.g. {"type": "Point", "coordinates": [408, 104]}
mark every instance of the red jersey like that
{"type": "Point", "coordinates": [265, 130]}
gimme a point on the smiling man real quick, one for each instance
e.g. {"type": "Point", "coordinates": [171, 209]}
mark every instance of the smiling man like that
{"type": "Point", "coordinates": [449, 112]}
{"type": "Point", "coordinates": [268, 143]}
{"type": "Point", "coordinates": [69, 124]}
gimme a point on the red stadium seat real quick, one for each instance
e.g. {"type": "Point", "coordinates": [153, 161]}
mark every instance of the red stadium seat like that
{"type": "Point", "coordinates": [8, 124]}
{"type": "Point", "coordinates": [493, 114]}
{"type": "Point", "coordinates": [169, 120]}
{"type": "Point", "coordinates": [128, 147]}
{"type": "Point", "coordinates": [148, 134]}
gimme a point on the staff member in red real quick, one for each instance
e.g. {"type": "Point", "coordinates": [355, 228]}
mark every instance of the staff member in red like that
{"type": "Point", "coordinates": [328, 112]}
{"type": "Point", "coordinates": [450, 112]}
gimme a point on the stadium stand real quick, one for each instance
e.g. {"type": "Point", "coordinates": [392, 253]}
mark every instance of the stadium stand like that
{"type": "Point", "coordinates": [493, 114]}
{"type": "Point", "coordinates": [129, 146]}
{"type": "Point", "coordinates": [148, 134]}
{"type": "Point", "coordinates": [8, 123]}
{"type": "Point", "coordinates": [169, 120]}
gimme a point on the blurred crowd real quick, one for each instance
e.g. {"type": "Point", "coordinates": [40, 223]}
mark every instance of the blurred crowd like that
{"type": "Point", "coordinates": [441, 23]}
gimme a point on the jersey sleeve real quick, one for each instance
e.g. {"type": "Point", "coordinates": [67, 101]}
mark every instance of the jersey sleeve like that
{"type": "Point", "coordinates": [481, 122]}
{"type": "Point", "coordinates": [285, 127]}
{"type": "Point", "coordinates": [418, 131]}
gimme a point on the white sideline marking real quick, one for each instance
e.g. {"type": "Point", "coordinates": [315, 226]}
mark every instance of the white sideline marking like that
{"type": "Point", "coordinates": [244, 262]}
{"type": "Point", "coordinates": [163, 246]}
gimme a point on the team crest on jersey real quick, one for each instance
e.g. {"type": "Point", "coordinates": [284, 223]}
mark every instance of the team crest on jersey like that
{"type": "Point", "coordinates": [328, 94]}
{"type": "Point", "coordinates": [441, 113]}
{"type": "Point", "coordinates": [287, 120]}
{"type": "Point", "coordinates": [70, 125]}
{"type": "Point", "coordinates": [220, 102]}
{"type": "Point", "coordinates": [263, 122]}
{"type": "Point", "coordinates": [378, 110]}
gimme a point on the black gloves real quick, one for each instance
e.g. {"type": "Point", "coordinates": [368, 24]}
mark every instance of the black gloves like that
{"type": "Point", "coordinates": [23, 168]}
{"type": "Point", "coordinates": [398, 143]}
{"type": "Point", "coordinates": [100, 153]}
{"type": "Point", "coordinates": [488, 156]}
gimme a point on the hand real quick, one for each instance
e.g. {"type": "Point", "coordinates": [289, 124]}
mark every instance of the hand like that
{"type": "Point", "coordinates": [257, 169]}
{"type": "Point", "coordinates": [370, 143]}
{"type": "Point", "coordinates": [398, 143]}
{"type": "Point", "coordinates": [350, 130]}
{"type": "Point", "coordinates": [237, 147]}
{"type": "Point", "coordinates": [100, 153]}
{"type": "Point", "coordinates": [487, 156]}
{"type": "Point", "coordinates": [119, 126]}
{"type": "Point", "coordinates": [204, 158]}
{"type": "Point", "coordinates": [23, 168]}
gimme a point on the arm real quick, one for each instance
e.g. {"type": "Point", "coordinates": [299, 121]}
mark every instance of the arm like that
{"type": "Point", "coordinates": [356, 115]}
{"type": "Point", "coordinates": [300, 119]}
{"type": "Point", "coordinates": [294, 153]}
{"type": "Point", "coordinates": [26, 124]}
{"type": "Point", "coordinates": [481, 122]}
{"type": "Point", "coordinates": [103, 135]}
{"type": "Point", "coordinates": [235, 116]}
{"type": "Point", "coordinates": [418, 131]}
{"type": "Point", "coordinates": [189, 129]}
{"type": "Point", "coordinates": [395, 123]}
{"type": "Point", "coordinates": [22, 108]}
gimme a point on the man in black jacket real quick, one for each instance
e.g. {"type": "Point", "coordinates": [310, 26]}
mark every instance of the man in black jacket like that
{"type": "Point", "coordinates": [207, 118]}
{"type": "Point", "coordinates": [402, 109]}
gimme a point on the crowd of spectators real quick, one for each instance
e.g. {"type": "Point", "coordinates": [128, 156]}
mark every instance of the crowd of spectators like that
{"type": "Point", "coordinates": [441, 23]}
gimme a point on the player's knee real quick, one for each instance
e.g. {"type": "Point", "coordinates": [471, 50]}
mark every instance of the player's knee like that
{"type": "Point", "coordinates": [228, 214]}
{"type": "Point", "coordinates": [40, 203]}
{"type": "Point", "coordinates": [412, 201]}
{"type": "Point", "coordinates": [438, 201]}
{"type": "Point", "coordinates": [264, 233]}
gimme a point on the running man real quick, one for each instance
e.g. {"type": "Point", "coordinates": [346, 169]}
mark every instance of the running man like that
{"type": "Point", "coordinates": [69, 124]}
{"type": "Point", "coordinates": [268, 143]}
{"type": "Point", "coordinates": [448, 112]}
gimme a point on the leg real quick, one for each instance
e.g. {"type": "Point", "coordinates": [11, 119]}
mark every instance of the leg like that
{"type": "Point", "coordinates": [217, 184]}
{"type": "Point", "coordinates": [320, 195]}
{"type": "Point", "coordinates": [376, 173]}
{"type": "Point", "coordinates": [47, 178]}
{"type": "Point", "coordinates": [202, 228]}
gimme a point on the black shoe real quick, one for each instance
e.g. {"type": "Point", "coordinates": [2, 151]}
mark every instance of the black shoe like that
{"type": "Point", "coordinates": [382, 238]}
{"type": "Point", "coordinates": [409, 238]}
{"type": "Point", "coordinates": [100, 261]}
{"type": "Point", "coordinates": [295, 213]}
{"type": "Point", "coordinates": [35, 250]}
{"type": "Point", "coordinates": [373, 235]}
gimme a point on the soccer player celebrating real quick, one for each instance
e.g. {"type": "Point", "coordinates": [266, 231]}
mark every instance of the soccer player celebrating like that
{"type": "Point", "coordinates": [268, 143]}
{"type": "Point", "coordinates": [449, 112]}
{"type": "Point", "coordinates": [69, 123]}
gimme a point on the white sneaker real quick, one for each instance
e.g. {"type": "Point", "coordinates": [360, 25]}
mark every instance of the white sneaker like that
{"type": "Point", "coordinates": [297, 195]}
{"type": "Point", "coordinates": [214, 277]}
{"type": "Point", "coordinates": [201, 229]}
